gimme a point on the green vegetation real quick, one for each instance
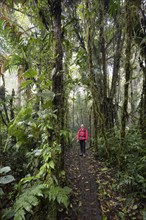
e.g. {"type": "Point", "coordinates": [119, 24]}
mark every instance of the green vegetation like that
{"type": "Point", "coordinates": [74, 62]}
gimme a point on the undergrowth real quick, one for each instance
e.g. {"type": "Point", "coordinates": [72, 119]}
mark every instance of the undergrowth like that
{"type": "Point", "coordinates": [41, 182]}
{"type": "Point", "coordinates": [128, 162]}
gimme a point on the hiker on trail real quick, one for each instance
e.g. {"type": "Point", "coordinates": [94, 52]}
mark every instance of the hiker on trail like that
{"type": "Point", "coordinates": [82, 138]}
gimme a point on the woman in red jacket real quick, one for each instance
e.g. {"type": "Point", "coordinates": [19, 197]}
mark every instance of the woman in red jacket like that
{"type": "Point", "coordinates": [82, 138]}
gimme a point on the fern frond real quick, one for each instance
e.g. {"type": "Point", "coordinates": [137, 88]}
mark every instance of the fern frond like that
{"type": "Point", "coordinates": [61, 195]}
{"type": "Point", "coordinates": [26, 201]}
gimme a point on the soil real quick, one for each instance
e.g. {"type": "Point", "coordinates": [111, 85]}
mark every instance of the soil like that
{"type": "Point", "coordinates": [81, 177]}
{"type": "Point", "coordinates": [95, 195]}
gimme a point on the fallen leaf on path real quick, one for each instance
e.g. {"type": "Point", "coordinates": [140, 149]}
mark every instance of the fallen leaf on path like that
{"type": "Point", "coordinates": [80, 203]}
{"type": "Point", "coordinates": [87, 189]}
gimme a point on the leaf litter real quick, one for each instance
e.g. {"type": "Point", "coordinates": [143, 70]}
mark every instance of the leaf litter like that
{"type": "Point", "coordinates": [113, 203]}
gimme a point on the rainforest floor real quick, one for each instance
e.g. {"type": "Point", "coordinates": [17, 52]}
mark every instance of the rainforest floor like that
{"type": "Point", "coordinates": [95, 195]}
{"type": "Point", "coordinates": [81, 177]}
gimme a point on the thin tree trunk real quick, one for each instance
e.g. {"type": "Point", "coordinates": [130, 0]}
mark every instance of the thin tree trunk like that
{"type": "Point", "coordinates": [103, 55]}
{"type": "Point", "coordinates": [143, 105]}
{"type": "Point", "coordinates": [90, 126]}
{"type": "Point", "coordinates": [12, 105]}
{"type": "Point", "coordinates": [73, 110]}
{"type": "Point", "coordinates": [133, 101]}
{"type": "Point", "coordinates": [20, 72]}
{"type": "Point", "coordinates": [116, 67]}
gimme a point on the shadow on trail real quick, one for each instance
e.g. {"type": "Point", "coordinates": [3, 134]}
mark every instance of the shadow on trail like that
{"type": "Point", "coordinates": [81, 177]}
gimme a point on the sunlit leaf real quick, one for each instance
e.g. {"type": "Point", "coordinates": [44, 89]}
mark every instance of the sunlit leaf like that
{"type": "Point", "coordinates": [51, 164]}
{"type": "Point", "coordinates": [30, 73]}
{"type": "Point", "coordinates": [5, 169]}
{"type": "Point", "coordinates": [135, 207]}
{"type": "Point", "coordinates": [26, 83]}
{"type": "Point", "coordinates": [6, 179]}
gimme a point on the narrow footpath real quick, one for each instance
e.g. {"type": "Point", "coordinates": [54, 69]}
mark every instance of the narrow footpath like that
{"type": "Point", "coordinates": [91, 181]}
{"type": "Point", "coordinates": [81, 177]}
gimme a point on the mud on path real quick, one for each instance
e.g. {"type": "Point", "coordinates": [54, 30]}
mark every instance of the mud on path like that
{"type": "Point", "coordinates": [81, 177]}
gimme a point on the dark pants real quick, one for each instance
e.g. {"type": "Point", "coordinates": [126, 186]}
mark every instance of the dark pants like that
{"type": "Point", "coordinates": [82, 146]}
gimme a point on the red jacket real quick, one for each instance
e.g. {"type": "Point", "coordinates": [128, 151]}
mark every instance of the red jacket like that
{"type": "Point", "coordinates": [82, 134]}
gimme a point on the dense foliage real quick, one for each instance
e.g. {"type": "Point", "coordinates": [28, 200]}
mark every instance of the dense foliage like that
{"type": "Point", "coordinates": [76, 62]}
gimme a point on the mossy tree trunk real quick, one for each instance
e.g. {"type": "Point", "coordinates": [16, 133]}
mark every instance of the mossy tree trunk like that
{"type": "Point", "coordinates": [99, 120]}
{"type": "Point", "coordinates": [139, 29]}
{"type": "Point", "coordinates": [57, 79]}
{"type": "Point", "coordinates": [124, 115]}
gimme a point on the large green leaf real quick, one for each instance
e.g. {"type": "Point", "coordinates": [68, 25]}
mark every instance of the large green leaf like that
{"type": "Point", "coordinates": [60, 194]}
{"type": "Point", "coordinates": [26, 83]}
{"type": "Point", "coordinates": [30, 73]}
{"type": "Point", "coordinates": [5, 170]}
{"type": "Point", "coordinates": [6, 179]}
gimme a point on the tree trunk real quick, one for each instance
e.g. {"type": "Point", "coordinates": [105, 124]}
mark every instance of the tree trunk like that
{"type": "Point", "coordinates": [116, 67]}
{"type": "Point", "coordinates": [103, 49]}
{"type": "Point", "coordinates": [143, 105]}
{"type": "Point", "coordinates": [115, 78]}
{"type": "Point", "coordinates": [133, 100]}
{"type": "Point", "coordinates": [90, 127]}
{"type": "Point", "coordinates": [139, 27]}
{"type": "Point", "coordinates": [57, 79]}
{"type": "Point", "coordinates": [94, 89]}
{"type": "Point", "coordinates": [127, 70]}
{"type": "Point", "coordinates": [20, 78]}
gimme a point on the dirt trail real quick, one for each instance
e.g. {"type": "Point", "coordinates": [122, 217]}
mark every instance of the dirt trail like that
{"type": "Point", "coordinates": [81, 172]}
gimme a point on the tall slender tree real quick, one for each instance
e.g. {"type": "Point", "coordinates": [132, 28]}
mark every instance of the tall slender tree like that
{"type": "Point", "coordinates": [128, 42]}
{"type": "Point", "coordinates": [57, 79]}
